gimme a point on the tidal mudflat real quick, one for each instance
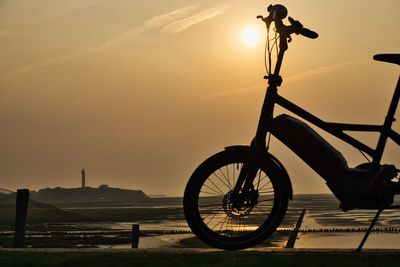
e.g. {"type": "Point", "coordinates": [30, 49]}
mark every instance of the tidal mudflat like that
{"type": "Point", "coordinates": [108, 225]}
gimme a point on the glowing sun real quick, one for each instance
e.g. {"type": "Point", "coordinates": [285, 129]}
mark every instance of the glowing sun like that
{"type": "Point", "coordinates": [250, 36]}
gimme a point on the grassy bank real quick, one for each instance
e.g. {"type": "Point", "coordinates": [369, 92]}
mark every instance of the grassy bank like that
{"type": "Point", "coordinates": [193, 259]}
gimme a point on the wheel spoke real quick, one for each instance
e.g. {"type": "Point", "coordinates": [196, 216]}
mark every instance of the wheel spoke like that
{"type": "Point", "coordinates": [227, 178]}
{"type": "Point", "coordinates": [213, 194]}
{"type": "Point", "coordinates": [223, 222]}
{"type": "Point", "coordinates": [212, 189]}
{"type": "Point", "coordinates": [229, 186]}
{"type": "Point", "coordinates": [233, 175]}
{"type": "Point", "coordinates": [266, 192]}
{"type": "Point", "coordinates": [213, 216]}
{"type": "Point", "coordinates": [258, 182]}
{"type": "Point", "coordinates": [266, 200]}
{"type": "Point", "coordinates": [222, 193]}
{"type": "Point", "coordinates": [265, 185]}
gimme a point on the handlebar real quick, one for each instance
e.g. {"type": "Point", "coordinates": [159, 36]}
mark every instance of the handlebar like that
{"type": "Point", "coordinates": [276, 14]}
{"type": "Point", "coordinates": [299, 29]}
{"type": "Point", "coordinates": [308, 33]}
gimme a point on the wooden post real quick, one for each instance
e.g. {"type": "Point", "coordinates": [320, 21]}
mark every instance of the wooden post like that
{"type": "Point", "coordinates": [293, 234]}
{"type": "Point", "coordinates": [358, 250]}
{"type": "Point", "coordinates": [20, 217]}
{"type": "Point", "coordinates": [135, 235]}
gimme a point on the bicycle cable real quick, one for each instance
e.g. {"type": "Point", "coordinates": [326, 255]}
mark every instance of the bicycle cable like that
{"type": "Point", "coordinates": [365, 156]}
{"type": "Point", "coordinates": [268, 49]}
{"type": "Point", "coordinates": [269, 140]}
{"type": "Point", "coordinates": [265, 54]}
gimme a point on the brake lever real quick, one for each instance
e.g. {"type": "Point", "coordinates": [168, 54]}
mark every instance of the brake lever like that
{"type": "Point", "coordinates": [267, 20]}
{"type": "Point", "coordinates": [295, 24]}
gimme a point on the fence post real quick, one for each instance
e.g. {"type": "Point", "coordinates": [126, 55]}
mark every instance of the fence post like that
{"type": "Point", "coordinates": [20, 217]}
{"type": "Point", "coordinates": [135, 235]}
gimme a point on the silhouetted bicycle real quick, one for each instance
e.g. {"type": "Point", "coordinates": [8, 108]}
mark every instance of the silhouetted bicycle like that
{"type": "Point", "coordinates": [238, 197]}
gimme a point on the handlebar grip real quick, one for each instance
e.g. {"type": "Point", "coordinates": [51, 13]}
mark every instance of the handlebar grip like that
{"type": "Point", "coordinates": [308, 33]}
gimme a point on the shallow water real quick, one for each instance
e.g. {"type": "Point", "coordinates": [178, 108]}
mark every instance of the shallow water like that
{"type": "Point", "coordinates": [347, 240]}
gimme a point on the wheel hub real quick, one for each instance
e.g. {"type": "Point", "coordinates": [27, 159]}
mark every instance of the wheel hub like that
{"type": "Point", "coordinates": [240, 207]}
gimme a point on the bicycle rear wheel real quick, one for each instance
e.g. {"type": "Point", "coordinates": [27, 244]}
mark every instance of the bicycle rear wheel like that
{"type": "Point", "coordinates": [213, 217]}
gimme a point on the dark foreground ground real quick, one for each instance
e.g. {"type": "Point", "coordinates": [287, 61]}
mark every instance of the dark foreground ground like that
{"type": "Point", "coordinates": [193, 258]}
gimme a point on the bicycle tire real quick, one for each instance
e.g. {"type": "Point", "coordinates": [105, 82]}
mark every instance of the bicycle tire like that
{"type": "Point", "coordinates": [234, 238]}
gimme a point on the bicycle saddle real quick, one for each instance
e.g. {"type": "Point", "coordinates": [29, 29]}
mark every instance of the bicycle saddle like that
{"type": "Point", "coordinates": [389, 58]}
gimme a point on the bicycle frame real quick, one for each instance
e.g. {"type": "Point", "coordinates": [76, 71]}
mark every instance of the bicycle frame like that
{"type": "Point", "coordinates": [336, 129]}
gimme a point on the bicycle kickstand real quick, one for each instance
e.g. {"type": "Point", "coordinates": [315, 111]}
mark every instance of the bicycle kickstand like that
{"type": "Point", "coordinates": [358, 250]}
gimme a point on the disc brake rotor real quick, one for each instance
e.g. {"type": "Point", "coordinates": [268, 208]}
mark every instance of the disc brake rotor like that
{"type": "Point", "coordinates": [239, 210]}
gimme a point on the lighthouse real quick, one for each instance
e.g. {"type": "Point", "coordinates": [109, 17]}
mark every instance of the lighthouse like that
{"type": "Point", "coordinates": [83, 177]}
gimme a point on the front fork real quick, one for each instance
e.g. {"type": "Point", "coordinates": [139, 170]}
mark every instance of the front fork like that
{"type": "Point", "coordinates": [244, 190]}
{"type": "Point", "coordinates": [244, 185]}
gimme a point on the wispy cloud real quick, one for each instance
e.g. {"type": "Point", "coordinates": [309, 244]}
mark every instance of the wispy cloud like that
{"type": "Point", "coordinates": [44, 63]}
{"type": "Point", "coordinates": [185, 23]}
{"type": "Point", "coordinates": [150, 24]}
{"type": "Point", "coordinates": [174, 22]}
{"type": "Point", "coordinates": [236, 91]}
{"type": "Point", "coordinates": [322, 70]}
{"type": "Point", "coordinates": [296, 77]}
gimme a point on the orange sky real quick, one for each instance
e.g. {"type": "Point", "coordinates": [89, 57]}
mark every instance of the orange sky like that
{"type": "Point", "coordinates": [140, 92]}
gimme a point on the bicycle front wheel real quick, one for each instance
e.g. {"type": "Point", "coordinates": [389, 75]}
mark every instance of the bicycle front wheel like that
{"type": "Point", "coordinates": [213, 217]}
